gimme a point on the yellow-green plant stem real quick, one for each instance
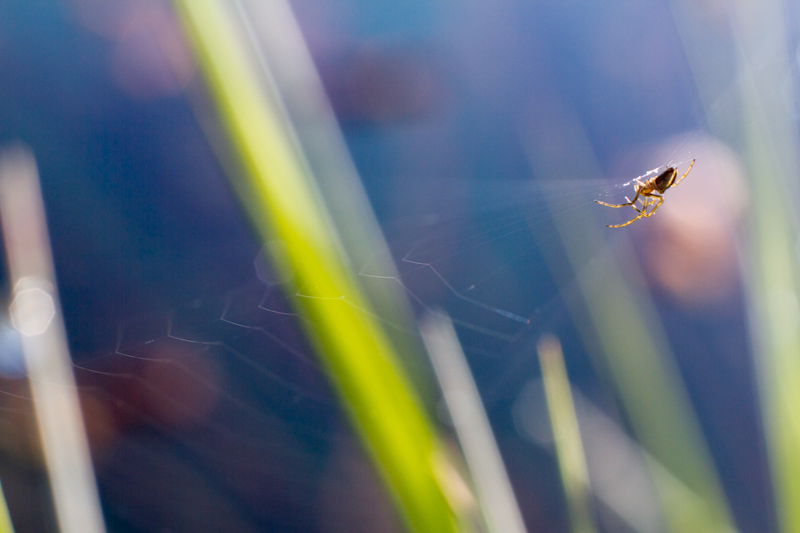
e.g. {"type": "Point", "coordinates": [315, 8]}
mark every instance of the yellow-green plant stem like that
{"type": "Point", "coordinates": [566, 434]}
{"type": "Point", "coordinates": [5, 517]}
{"type": "Point", "coordinates": [284, 204]}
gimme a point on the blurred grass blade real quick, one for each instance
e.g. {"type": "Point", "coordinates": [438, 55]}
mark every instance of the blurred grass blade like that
{"type": "Point", "coordinates": [566, 434]}
{"type": "Point", "coordinates": [5, 516]}
{"type": "Point", "coordinates": [36, 313]}
{"type": "Point", "coordinates": [758, 51]}
{"type": "Point", "coordinates": [472, 426]}
{"type": "Point", "coordinates": [287, 64]}
{"type": "Point", "coordinates": [771, 142]}
{"type": "Point", "coordinates": [284, 203]}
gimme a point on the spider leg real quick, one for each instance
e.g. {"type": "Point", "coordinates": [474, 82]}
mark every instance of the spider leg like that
{"type": "Point", "coordinates": [629, 202]}
{"type": "Point", "coordinates": [657, 203]}
{"type": "Point", "coordinates": [684, 174]}
{"type": "Point", "coordinates": [638, 209]}
{"type": "Point", "coordinates": [614, 205]}
{"type": "Point", "coordinates": [631, 221]}
{"type": "Point", "coordinates": [647, 199]}
{"type": "Point", "coordinates": [633, 205]}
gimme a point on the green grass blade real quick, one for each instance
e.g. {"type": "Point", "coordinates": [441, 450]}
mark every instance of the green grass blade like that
{"type": "Point", "coordinates": [755, 119]}
{"type": "Point", "coordinates": [566, 434]}
{"type": "Point", "coordinates": [5, 517]}
{"type": "Point", "coordinates": [284, 204]}
{"type": "Point", "coordinates": [774, 277]}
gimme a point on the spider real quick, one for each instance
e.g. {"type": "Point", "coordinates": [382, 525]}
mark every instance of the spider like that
{"type": "Point", "coordinates": [649, 193]}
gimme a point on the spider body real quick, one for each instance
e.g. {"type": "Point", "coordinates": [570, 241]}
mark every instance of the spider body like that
{"type": "Point", "coordinates": [649, 193]}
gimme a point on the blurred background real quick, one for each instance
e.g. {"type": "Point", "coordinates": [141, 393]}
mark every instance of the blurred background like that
{"type": "Point", "coordinates": [481, 134]}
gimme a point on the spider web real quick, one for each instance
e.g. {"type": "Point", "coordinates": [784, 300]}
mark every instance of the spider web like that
{"type": "Point", "coordinates": [224, 393]}
{"type": "Point", "coordinates": [216, 415]}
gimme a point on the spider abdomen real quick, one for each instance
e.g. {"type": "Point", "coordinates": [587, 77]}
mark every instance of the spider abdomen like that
{"type": "Point", "coordinates": [663, 181]}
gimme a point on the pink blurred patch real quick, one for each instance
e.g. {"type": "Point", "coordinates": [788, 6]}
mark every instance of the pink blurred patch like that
{"type": "Point", "coordinates": [690, 246]}
{"type": "Point", "coordinates": [149, 58]}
